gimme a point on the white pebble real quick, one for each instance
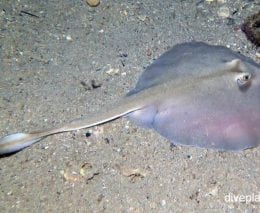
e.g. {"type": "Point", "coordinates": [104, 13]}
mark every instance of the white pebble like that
{"type": "Point", "coordinates": [69, 38]}
{"type": "Point", "coordinates": [163, 202]}
{"type": "Point", "coordinates": [223, 12]}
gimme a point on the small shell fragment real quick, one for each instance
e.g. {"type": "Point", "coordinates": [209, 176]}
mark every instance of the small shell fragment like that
{"type": "Point", "coordinates": [112, 71]}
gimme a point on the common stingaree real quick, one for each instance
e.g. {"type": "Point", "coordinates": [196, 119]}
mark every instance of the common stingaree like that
{"type": "Point", "coordinates": [194, 94]}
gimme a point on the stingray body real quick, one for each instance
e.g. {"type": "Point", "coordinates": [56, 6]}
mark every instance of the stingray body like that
{"type": "Point", "coordinates": [195, 94]}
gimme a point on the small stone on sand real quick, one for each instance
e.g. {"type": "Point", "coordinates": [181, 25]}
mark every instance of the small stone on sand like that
{"type": "Point", "coordinates": [224, 12]}
{"type": "Point", "coordinates": [93, 3]}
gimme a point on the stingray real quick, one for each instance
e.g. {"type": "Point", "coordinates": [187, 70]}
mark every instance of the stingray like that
{"type": "Point", "coordinates": [195, 94]}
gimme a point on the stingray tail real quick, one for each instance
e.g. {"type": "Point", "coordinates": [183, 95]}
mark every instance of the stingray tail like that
{"type": "Point", "coordinates": [15, 142]}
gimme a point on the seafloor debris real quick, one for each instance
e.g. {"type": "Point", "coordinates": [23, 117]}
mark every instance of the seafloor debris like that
{"type": "Point", "coordinates": [93, 85]}
{"type": "Point", "coordinates": [251, 28]}
{"type": "Point", "coordinates": [86, 172]}
{"type": "Point", "coordinates": [132, 173]}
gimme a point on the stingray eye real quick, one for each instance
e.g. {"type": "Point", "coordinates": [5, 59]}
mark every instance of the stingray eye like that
{"type": "Point", "coordinates": [244, 80]}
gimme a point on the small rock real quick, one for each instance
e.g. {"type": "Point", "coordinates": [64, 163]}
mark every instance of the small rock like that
{"type": "Point", "coordinates": [223, 12]}
{"type": "Point", "coordinates": [69, 38]}
{"type": "Point", "coordinates": [100, 197]}
{"type": "Point", "coordinates": [88, 133]}
{"type": "Point", "coordinates": [10, 193]}
{"type": "Point", "coordinates": [95, 85]}
{"type": "Point", "coordinates": [163, 202]}
{"type": "Point", "coordinates": [93, 3]}
{"type": "Point", "coordinates": [112, 71]}
{"type": "Point", "coordinates": [142, 17]}
{"type": "Point", "coordinates": [213, 191]}
{"type": "Point", "coordinates": [149, 52]}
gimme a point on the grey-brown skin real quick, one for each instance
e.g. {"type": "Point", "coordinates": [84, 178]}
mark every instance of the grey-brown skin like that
{"type": "Point", "coordinates": [194, 94]}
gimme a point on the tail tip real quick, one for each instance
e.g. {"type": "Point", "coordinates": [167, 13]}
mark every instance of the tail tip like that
{"type": "Point", "coordinates": [16, 142]}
